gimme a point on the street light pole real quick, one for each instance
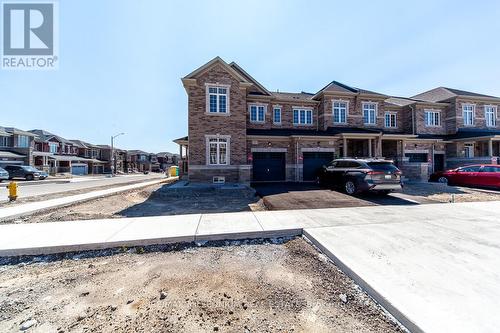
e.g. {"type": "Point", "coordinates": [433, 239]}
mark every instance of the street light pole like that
{"type": "Point", "coordinates": [113, 171]}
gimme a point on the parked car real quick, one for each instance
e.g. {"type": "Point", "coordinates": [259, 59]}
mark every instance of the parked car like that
{"type": "Point", "coordinates": [4, 175]}
{"type": "Point", "coordinates": [360, 175]}
{"type": "Point", "coordinates": [25, 171]}
{"type": "Point", "coordinates": [479, 175]}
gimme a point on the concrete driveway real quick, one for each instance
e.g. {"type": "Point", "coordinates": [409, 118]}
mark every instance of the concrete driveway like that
{"type": "Point", "coordinates": [283, 196]}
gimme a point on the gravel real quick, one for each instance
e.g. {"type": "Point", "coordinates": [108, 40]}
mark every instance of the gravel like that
{"type": "Point", "coordinates": [250, 286]}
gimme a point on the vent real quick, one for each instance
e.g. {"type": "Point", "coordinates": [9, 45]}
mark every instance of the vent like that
{"type": "Point", "coordinates": [219, 180]}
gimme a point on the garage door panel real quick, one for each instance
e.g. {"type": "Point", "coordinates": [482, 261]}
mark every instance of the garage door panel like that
{"type": "Point", "coordinates": [313, 161]}
{"type": "Point", "coordinates": [269, 166]}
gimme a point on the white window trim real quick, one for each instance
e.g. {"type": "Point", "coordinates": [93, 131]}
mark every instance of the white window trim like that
{"type": "Point", "coordinates": [363, 112]}
{"type": "Point", "coordinates": [306, 109]}
{"type": "Point", "coordinates": [433, 111]}
{"type": "Point", "coordinates": [395, 119]}
{"type": "Point", "coordinates": [473, 113]}
{"type": "Point", "coordinates": [207, 99]}
{"type": "Point", "coordinates": [495, 114]}
{"type": "Point", "coordinates": [250, 113]}
{"type": "Point", "coordinates": [4, 141]}
{"type": "Point", "coordinates": [207, 149]}
{"type": "Point", "coordinates": [281, 114]}
{"type": "Point", "coordinates": [346, 110]}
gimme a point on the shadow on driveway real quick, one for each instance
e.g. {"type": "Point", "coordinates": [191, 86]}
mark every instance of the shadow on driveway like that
{"type": "Point", "coordinates": [163, 202]}
{"type": "Point", "coordinates": [281, 196]}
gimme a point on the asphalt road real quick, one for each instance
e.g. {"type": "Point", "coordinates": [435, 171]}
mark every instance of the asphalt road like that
{"type": "Point", "coordinates": [41, 188]}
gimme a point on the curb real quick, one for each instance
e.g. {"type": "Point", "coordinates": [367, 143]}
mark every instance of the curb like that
{"type": "Point", "coordinates": [398, 315]}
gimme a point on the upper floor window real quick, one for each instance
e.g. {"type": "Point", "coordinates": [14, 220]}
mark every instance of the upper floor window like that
{"type": "Point", "coordinates": [339, 112]}
{"type": "Point", "coordinates": [490, 113]}
{"type": "Point", "coordinates": [23, 141]}
{"type": "Point", "coordinates": [218, 151]}
{"type": "Point", "coordinates": [257, 113]}
{"type": "Point", "coordinates": [277, 115]}
{"type": "Point", "coordinates": [4, 141]}
{"type": "Point", "coordinates": [390, 119]}
{"type": "Point", "coordinates": [432, 118]}
{"type": "Point", "coordinates": [468, 114]}
{"type": "Point", "coordinates": [302, 117]}
{"type": "Point", "coordinates": [369, 113]}
{"type": "Point", "coordinates": [53, 147]}
{"type": "Point", "coordinates": [217, 99]}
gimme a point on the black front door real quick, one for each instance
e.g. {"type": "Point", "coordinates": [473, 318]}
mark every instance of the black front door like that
{"type": "Point", "coordinates": [313, 162]}
{"type": "Point", "coordinates": [269, 166]}
{"type": "Point", "coordinates": [438, 162]}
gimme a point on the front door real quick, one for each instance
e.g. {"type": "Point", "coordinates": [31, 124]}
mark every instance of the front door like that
{"type": "Point", "coordinates": [469, 150]}
{"type": "Point", "coordinates": [438, 162]}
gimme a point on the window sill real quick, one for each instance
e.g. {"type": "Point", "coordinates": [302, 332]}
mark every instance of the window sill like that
{"type": "Point", "coordinates": [218, 113]}
{"type": "Point", "coordinates": [303, 125]}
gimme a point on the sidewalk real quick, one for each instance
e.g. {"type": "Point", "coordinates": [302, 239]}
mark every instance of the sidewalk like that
{"type": "Point", "coordinates": [435, 268]}
{"type": "Point", "coordinates": [27, 208]}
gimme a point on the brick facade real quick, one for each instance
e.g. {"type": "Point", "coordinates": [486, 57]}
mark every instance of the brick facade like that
{"type": "Point", "coordinates": [410, 136]}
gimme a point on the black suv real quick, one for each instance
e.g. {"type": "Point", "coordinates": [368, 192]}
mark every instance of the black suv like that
{"type": "Point", "coordinates": [25, 171]}
{"type": "Point", "coordinates": [358, 175]}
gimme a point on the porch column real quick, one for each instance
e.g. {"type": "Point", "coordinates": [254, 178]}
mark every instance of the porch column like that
{"type": "Point", "coordinates": [369, 147]}
{"type": "Point", "coordinates": [490, 148]}
{"type": "Point", "coordinates": [379, 148]}
{"type": "Point", "coordinates": [344, 150]}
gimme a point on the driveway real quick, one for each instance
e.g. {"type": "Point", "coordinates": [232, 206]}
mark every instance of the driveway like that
{"type": "Point", "coordinates": [283, 196]}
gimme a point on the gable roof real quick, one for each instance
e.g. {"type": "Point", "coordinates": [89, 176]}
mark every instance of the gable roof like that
{"type": "Point", "coordinates": [213, 62]}
{"type": "Point", "coordinates": [249, 78]}
{"type": "Point", "coordinates": [440, 94]}
{"type": "Point", "coordinates": [336, 86]}
{"type": "Point", "coordinates": [46, 135]}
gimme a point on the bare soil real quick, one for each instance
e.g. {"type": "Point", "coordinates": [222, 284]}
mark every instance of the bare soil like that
{"type": "Point", "coordinates": [143, 202]}
{"type": "Point", "coordinates": [443, 193]}
{"type": "Point", "coordinates": [239, 287]}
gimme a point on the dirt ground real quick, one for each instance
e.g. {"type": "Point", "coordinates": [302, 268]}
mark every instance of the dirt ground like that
{"type": "Point", "coordinates": [142, 202]}
{"type": "Point", "coordinates": [443, 193]}
{"type": "Point", "coordinates": [240, 287]}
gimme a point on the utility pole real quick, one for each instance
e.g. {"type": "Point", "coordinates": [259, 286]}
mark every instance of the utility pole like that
{"type": "Point", "coordinates": [112, 157]}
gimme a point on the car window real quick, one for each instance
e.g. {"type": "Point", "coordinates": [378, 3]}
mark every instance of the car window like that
{"type": "Point", "coordinates": [491, 169]}
{"type": "Point", "coordinates": [382, 166]}
{"type": "Point", "coordinates": [470, 169]}
{"type": "Point", "coordinates": [29, 168]}
{"type": "Point", "coordinates": [341, 164]}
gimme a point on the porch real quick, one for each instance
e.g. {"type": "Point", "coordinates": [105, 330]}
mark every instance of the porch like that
{"type": "Point", "coordinates": [474, 151]}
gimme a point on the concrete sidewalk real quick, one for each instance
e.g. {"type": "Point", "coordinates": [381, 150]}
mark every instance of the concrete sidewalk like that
{"type": "Point", "coordinates": [17, 210]}
{"type": "Point", "coordinates": [434, 267]}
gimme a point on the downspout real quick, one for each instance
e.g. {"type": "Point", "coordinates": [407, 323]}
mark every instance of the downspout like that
{"type": "Point", "coordinates": [297, 160]}
{"type": "Point", "coordinates": [413, 121]}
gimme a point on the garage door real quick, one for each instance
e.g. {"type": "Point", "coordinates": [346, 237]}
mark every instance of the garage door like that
{"type": "Point", "coordinates": [80, 169]}
{"type": "Point", "coordinates": [313, 161]}
{"type": "Point", "coordinates": [269, 167]}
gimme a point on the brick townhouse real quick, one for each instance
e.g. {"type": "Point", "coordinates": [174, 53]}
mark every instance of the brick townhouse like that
{"type": "Point", "coordinates": [238, 131]}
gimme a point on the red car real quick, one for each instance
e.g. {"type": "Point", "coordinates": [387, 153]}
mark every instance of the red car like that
{"type": "Point", "coordinates": [480, 175]}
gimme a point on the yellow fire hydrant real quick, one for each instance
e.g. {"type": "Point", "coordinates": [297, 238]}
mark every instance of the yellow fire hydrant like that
{"type": "Point", "coordinates": [12, 191]}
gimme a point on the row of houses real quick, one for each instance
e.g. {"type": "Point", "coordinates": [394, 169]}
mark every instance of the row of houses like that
{"type": "Point", "coordinates": [239, 131]}
{"type": "Point", "coordinates": [57, 155]}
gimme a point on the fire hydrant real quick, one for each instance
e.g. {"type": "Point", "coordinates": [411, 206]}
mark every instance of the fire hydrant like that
{"type": "Point", "coordinates": [12, 191]}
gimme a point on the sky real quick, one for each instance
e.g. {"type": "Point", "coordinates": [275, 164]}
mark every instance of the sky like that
{"type": "Point", "coordinates": [121, 61]}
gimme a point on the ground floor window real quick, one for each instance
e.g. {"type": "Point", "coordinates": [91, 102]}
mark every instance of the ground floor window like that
{"type": "Point", "coordinates": [417, 157]}
{"type": "Point", "coordinates": [217, 151]}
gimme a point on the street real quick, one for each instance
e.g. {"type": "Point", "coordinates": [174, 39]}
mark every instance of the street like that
{"type": "Point", "coordinates": [76, 184]}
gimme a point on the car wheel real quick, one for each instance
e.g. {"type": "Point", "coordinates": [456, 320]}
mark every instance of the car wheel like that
{"type": "Point", "coordinates": [29, 177]}
{"type": "Point", "coordinates": [443, 180]}
{"type": "Point", "coordinates": [42, 178]}
{"type": "Point", "coordinates": [350, 188]}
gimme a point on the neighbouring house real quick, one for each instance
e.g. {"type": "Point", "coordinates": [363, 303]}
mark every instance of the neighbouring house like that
{"type": "Point", "coordinates": [155, 165]}
{"type": "Point", "coordinates": [16, 146]}
{"type": "Point", "coordinates": [239, 131]}
{"type": "Point", "coordinates": [93, 160]}
{"type": "Point", "coordinates": [166, 160]}
{"type": "Point", "coordinates": [139, 161]}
